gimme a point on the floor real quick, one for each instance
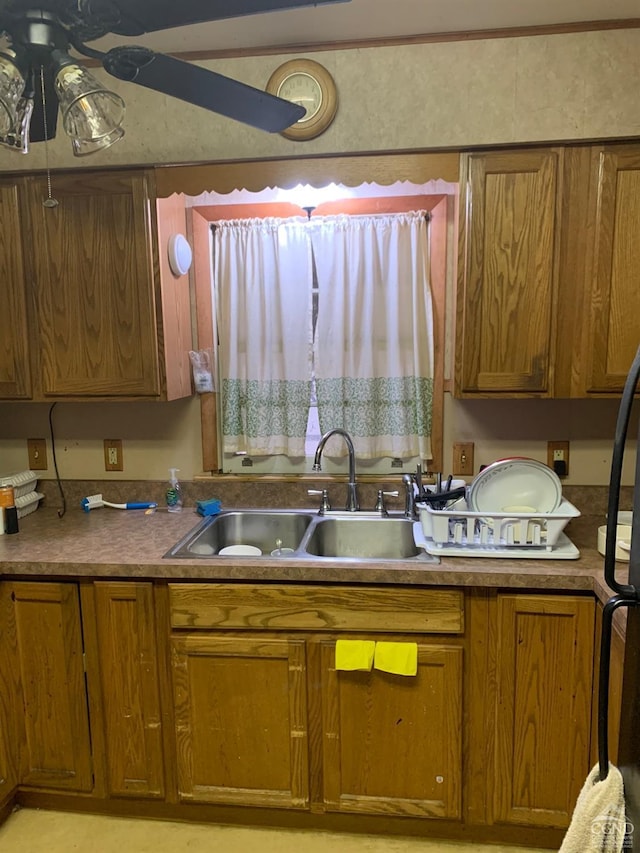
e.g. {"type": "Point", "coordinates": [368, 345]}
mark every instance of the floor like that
{"type": "Point", "coordinates": [33, 831]}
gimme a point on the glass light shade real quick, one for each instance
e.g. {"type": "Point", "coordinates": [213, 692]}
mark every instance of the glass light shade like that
{"type": "Point", "coordinates": [11, 88]}
{"type": "Point", "coordinates": [90, 113]}
{"type": "Point", "coordinates": [17, 137]}
{"type": "Point", "coordinates": [82, 147]}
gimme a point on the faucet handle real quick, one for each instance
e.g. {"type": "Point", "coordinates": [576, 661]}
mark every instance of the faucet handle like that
{"type": "Point", "coordinates": [380, 506]}
{"type": "Point", "coordinates": [325, 504]}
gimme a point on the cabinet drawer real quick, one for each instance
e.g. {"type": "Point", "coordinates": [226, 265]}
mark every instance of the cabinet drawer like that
{"type": "Point", "coordinates": [316, 608]}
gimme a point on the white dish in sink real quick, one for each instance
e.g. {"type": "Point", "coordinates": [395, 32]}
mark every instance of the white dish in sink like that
{"type": "Point", "coordinates": [240, 551]}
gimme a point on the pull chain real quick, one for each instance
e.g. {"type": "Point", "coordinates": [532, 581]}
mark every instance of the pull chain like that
{"type": "Point", "coordinates": [50, 201]}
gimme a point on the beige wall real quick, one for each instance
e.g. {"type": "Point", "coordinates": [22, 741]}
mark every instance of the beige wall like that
{"type": "Point", "coordinates": [562, 87]}
{"type": "Point", "coordinates": [478, 92]}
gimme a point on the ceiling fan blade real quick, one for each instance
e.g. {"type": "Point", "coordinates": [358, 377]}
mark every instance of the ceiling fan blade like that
{"type": "Point", "coordinates": [148, 16]}
{"type": "Point", "coordinates": [37, 128]}
{"type": "Point", "coordinates": [201, 87]}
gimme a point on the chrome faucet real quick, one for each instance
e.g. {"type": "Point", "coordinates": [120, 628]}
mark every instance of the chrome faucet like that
{"type": "Point", "coordinates": [409, 499]}
{"type": "Point", "coordinates": [352, 489]}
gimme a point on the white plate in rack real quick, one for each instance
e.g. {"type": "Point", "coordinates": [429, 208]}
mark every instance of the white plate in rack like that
{"type": "Point", "coordinates": [515, 485]}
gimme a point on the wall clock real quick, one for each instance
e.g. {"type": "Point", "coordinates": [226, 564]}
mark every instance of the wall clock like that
{"type": "Point", "coordinates": [309, 84]}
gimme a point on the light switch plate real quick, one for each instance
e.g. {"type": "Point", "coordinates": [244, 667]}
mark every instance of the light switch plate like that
{"type": "Point", "coordinates": [463, 459]}
{"type": "Point", "coordinates": [37, 451]}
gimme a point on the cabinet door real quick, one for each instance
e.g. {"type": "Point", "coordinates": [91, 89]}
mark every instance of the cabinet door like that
{"type": "Point", "coordinates": [544, 680]}
{"type": "Point", "coordinates": [15, 377]}
{"type": "Point", "coordinates": [241, 720]}
{"type": "Point", "coordinates": [9, 698]}
{"type": "Point", "coordinates": [130, 691]}
{"type": "Point", "coordinates": [614, 300]}
{"type": "Point", "coordinates": [94, 280]}
{"type": "Point", "coordinates": [506, 294]}
{"type": "Point", "coordinates": [393, 744]}
{"type": "Point", "coordinates": [56, 747]}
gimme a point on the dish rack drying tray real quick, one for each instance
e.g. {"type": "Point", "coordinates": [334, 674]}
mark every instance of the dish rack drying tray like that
{"type": "Point", "coordinates": [459, 531]}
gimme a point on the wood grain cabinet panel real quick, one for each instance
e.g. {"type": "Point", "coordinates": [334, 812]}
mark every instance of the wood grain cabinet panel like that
{"type": "Point", "coordinates": [10, 706]}
{"type": "Point", "coordinates": [613, 300]}
{"type": "Point", "coordinates": [241, 720]}
{"type": "Point", "coordinates": [15, 376]}
{"type": "Point", "coordinates": [276, 607]}
{"type": "Point", "coordinates": [542, 722]}
{"type": "Point", "coordinates": [392, 744]}
{"type": "Point", "coordinates": [94, 283]}
{"type": "Point", "coordinates": [130, 692]}
{"type": "Point", "coordinates": [55, 745]}
{"type": "Point", "coordinates": [507, 273]}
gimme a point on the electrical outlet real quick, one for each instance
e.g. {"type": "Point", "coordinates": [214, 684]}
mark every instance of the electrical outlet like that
{"type": "Point", "coordinates": [463, 459]}
{"type": "Point", "coordinates": [113, 454]}
{"type": "Point", "coordinates": [558, 457]}
{"type": "Point", "coordinates": [37, 451]}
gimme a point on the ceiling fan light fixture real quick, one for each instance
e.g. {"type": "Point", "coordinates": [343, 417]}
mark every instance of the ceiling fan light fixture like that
{"type": "Point", "coordinates": [91, 113]}
{"type": "Point", "coordinates": [11, 88]}
{"type": "Point", "coordinates": [17, 137]}
{"type": "Point", "coordinates": [83, 147]}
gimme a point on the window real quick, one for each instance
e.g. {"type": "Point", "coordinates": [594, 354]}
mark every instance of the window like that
{"type": "Point", "coordinates": [442, 207]}
{"type": "Point", "coordinates": [334, 312]}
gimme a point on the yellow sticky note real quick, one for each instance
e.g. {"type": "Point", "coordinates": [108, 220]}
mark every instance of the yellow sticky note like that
{"type": "Point", "coordinates": [354, 654]}
{"type": "Point", "coordinates": [397, 658]}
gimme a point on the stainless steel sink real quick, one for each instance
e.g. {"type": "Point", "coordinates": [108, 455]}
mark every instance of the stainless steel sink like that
{"type": "Point", "coordinates": [364, 538]}
{"type": "Point", "coordinates": [301, 535]}
{"type": "Point", "coordinates": [266, 530]}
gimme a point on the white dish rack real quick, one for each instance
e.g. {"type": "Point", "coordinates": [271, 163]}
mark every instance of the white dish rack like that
{"type": "Point", "coordinates": [458, 529]}
{"type": "Point", "coordinates": [24, 490]}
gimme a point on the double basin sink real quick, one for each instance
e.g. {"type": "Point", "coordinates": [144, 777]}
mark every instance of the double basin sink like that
{"type": "Point", "coordinates": [301, 535]}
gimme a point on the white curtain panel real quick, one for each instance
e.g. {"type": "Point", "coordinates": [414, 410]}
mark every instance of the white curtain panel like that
{"type": "Point", "coordinates": [263, 279]}
{"type": "Point", "coordinates": [374, 336]}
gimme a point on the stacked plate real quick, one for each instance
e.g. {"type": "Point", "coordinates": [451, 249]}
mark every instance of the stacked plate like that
{"type": "Point", "coordinates": [515, 485]}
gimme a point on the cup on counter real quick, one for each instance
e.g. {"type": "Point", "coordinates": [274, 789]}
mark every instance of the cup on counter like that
{"type": "Point", "coordinates": [623, 541]}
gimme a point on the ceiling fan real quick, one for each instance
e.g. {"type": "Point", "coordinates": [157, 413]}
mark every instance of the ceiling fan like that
{"type": "Point", "coordinates": [39, 78]}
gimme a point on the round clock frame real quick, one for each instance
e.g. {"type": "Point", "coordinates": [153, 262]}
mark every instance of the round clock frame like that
{"type": "Point", "coordinates": [312, 83]}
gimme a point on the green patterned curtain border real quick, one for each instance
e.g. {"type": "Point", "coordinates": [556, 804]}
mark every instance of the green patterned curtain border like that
{"type": "Point", "coordinates": [254, 409]}
{"type": "Point", "coordinates": [400, 406]}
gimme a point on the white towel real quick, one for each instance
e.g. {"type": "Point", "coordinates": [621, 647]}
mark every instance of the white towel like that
{"type": "Point", "coordinates": [598, 822]}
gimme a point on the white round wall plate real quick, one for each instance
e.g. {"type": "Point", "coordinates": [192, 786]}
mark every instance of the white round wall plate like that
{"type": "Point", "coordinates": [180, 254]}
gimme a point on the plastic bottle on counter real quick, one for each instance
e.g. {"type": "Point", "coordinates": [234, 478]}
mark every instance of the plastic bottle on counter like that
{"type": "Point", "coordinates": [8, 511]}
{"type": "Point", "coordinates": [173, 494]}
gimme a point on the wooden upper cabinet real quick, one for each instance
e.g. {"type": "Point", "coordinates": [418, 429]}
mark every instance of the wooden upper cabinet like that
{"type": "Point", "coordinates": [97, 289]}
{"type": "Point", "coordinates": [613, 299]}
{"type": "Point", "coordinates": [507, 273]}
{"type": "Point", "coordinates": [15, 379]}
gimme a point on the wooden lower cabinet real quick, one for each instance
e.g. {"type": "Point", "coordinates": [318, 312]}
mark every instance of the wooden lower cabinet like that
{"type": "Point", "coordinates": [241, 719]}
{"type": "Point", "coordinates": [544, 671]}
{"type": "Point", "coordinates": [392, 744]}
{"type": "Point", "coordinates": [9, 705]}
{"type": "Point", "coordinates": [45, 635]}
{"type": "Point", "coordinates": [128, 662]}
{"type": "Point", "coordinates": [226, 695]}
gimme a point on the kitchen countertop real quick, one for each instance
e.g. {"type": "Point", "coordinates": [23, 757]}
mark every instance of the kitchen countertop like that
{"type": "Point", "coordinates": [110, 543]}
